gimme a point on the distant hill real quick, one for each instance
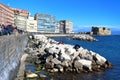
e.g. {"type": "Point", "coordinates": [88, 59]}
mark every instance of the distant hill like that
{"type": "Point", "coordinates": [115, 32]}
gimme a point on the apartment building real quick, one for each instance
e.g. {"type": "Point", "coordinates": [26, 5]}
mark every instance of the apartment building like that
{"type": "Point", "coordinates": [20, 18]}
{"type": "Point", "coordinates": [62, 27]}
{"type": "Point", "coordinates": [46, 23]}
{"type": "Point", "coordinates": [66, 26]}
{"type": "Point", "coordinates": [6, 15]}
{"type": "Point", "coordinates": [57, 30]}
{"type": "Point", "coordinates": [31, 24]}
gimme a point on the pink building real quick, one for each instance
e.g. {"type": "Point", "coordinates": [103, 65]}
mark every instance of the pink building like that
{"type": "Point", "coordinates": [6, 15]}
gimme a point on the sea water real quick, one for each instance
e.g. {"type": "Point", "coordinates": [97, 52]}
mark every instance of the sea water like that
{"type": "Point", "coordinates": [106, 46]}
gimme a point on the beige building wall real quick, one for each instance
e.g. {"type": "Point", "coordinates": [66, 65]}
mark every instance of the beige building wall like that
{"type": "Point", "coordinates": [20, 18]}
{"type": "Point", "coordinates": [57, 27]}
{"type": "Point", "coordinates": [61, 27]}
{"type": "Point", "coordinates": [31, 24]}
{"type": "Point", "coordinates": [69, 27]}
{"type": "Point", "coordinates": [66, 26]}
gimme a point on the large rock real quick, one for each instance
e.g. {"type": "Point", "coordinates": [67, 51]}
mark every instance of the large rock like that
{"type": "Point", "coordinates": [54, 50]}
{"type": "Point", "coordinates": [49, 58]}
{"type": "Point", "coordinates": [29, 50]}
{"type": "Point", "coordinates": [74, 55]}
{"type": "Point", "coordinates": [86, 56]}
{"type": "Point", "coordinates": [58, 57]}
{"type": "Point", "coordinates": [65, 56]}
{"type": "Point", "coordinates": [69, 50]}
{"type": "Point", "coordinates": [49, 65]}
{"type": "Point", "coordinates": [65, 64]}
{"type": "Point", "coordinates": [100, 60]}
{"type": "Point", "coordinates": [48, 45]}
{"type": "Point", "coordinates": [84, 37]}
{"type": "Point", "coordinates": [56, 61]}
{"type": "Point", "coordinates": [32, 75]}
{"type": "Point", "coordinates": [76, 47]}
{"type": "Point", "coordinates": [92, 53]}
{"type": "Point", "coordinates": [86, 63]}
{"type": "Point", "coordinates": [78, 65]}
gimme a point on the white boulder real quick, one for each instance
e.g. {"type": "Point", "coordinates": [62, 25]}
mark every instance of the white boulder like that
{"type": "Point", "coordinates": [65, 56]}
{"type": "Point", "coordinates": [100, 60]}
{"type": "Point", "coordinates": [32, 75]}
{"type": "Point", "coordinates": [86, 63]}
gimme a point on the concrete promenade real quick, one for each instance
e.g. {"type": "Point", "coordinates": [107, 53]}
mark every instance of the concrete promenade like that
{"type": "Point", "coordinates": [57, 35]}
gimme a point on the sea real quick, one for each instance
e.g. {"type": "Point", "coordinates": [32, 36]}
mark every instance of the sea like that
{"type": "Point", "coordinates": [106, 46]}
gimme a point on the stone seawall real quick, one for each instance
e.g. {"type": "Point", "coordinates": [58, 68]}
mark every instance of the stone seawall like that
{"type": "Point", "coordinates": [11, 50]}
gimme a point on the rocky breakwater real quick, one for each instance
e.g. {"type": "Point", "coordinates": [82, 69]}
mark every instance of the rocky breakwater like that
{"type": "Point", "coordinates": [57, 57]}
{"type": "Point", "coordinates": [84, 37]}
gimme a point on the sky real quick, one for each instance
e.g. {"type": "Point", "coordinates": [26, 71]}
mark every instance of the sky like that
{"type": "Point", "coordinates": [83, 13]}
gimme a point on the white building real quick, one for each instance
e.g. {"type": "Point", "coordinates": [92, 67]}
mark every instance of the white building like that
{"type": "Point", "coordinates": [66, 26]}
{"type": "Point", "coordinates": [57, 30]}
{"type": "Point", "coordinates": [46, 23]}
{"type": "Point", "coordinates": [20, 18]}
{"type": "Point", "coordinates": [69, 27]}
{"type": "Point", "coordinates": [31, 25]}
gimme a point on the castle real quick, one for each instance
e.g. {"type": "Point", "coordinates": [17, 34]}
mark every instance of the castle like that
{"type": "Point", "coordinates": [100, 31]}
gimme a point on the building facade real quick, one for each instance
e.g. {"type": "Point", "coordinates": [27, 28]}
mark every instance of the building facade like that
{"type": "Point", "coordinates": [101, 31]}
{"type": "Point", "coordinates": [66, 26]}
{"type": "Point", "coordinates": [57, 30]}
{"type": "Point", "coordinates": [6, 15]}
{"type": "Point", "coordinates": [62, 27]}
{"type": "Point", "coordinates": [20, 18]}
{"type": "Point", "coordinates": [46, 23]}
{"type": "Point", "coordinates": [31, 25]}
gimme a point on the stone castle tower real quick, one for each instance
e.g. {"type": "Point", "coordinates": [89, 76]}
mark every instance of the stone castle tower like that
{"type": "Point", "coordinates": [101, 31]}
